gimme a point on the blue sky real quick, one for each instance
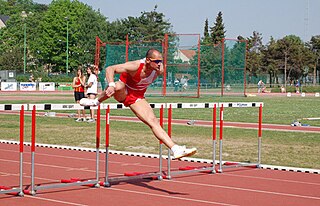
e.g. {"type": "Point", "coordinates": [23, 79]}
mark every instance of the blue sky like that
{"type": "Point", "coordinates": [276, 18]}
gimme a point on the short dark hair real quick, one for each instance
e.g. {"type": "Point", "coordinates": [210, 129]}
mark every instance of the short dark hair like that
{"type": "Point", "coordinates": [150, 52]}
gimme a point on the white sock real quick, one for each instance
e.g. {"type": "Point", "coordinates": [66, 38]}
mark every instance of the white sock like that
{"type": "Point", "coordinates": [174, 148]}
{"type": "Point", "coordinates": [96, 102]}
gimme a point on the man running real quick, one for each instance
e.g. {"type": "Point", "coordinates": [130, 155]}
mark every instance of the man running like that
{"type": "Point", "coordinates": [135, 78]}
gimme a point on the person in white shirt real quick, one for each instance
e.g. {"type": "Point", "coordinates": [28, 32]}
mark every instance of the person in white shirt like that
{"type": "Point", "coordinates": [92, 88]}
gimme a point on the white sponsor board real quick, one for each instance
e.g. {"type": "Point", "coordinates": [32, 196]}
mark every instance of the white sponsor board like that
{"type": "Point", "coordinates": [28, 86]}
{"type": "Point", "coordinates": [46, 86]}
{"type": "Point", "coordinates": [8, 86]}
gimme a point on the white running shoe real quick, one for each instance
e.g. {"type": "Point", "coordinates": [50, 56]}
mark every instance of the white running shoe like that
{"type": "Point", "coordinates": [91, 120]}
{"type": "Point", "coordinates": [79, 120]}
{"type": "Point", "coordinates": [88, 102]}
{"type": "Point", "coordinates": [184, 152]}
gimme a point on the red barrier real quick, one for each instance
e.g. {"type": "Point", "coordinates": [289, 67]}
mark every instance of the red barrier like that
{"type": "Point", "coordinates": [221, 122]}
{"type": "Point", "coordinates": [98, 128]}
{"type": "Point", "coordinates": [33, 132]}
{"type": "Point", "coordinates": [169, 120]}
{"type": "Point", "coordinates": [21, 128]}
{"type": "Point", "coordinates": [260, 121]}
{"type": "Point", "coordinates": [107, 125]}
{"type": "Point", "coordinates": [214, 122]}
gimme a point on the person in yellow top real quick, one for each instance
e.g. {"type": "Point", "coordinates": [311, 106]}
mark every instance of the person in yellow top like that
{"type": "Point", "coordinates": [78, 85]}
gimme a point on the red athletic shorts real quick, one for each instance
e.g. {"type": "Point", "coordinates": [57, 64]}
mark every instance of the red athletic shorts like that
{"type": "Point", "coordinates": [133, 96]}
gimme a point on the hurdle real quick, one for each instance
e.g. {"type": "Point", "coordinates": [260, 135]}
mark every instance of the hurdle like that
{"type": "Point", "coordinates": [222, 164]}
{"type": "Point", "coordinates": [228, 164]}
{"type": "Point", "coordinates": [5, 189]}
{"type": "Point", "coordinates": [130, 175]}
{"type": "Point", "coordinates": [185, 170]}
{"type": "Point", "coordinates": [64, 182]}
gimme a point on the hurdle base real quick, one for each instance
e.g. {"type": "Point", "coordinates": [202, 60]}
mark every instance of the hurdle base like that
{"type": "Point", "coordinates": [66, 183]}
{"type": "Point", "coordinates": [11, 191]}
{"type": "Point", "coordinates": [188, 169]}
{"type": "Point", "coordinates": [135, 176]}
{"type": "Point", "coordinates": [240, 164]}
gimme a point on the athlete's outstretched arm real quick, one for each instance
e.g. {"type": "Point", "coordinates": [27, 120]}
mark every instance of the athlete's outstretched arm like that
{"type": "Point", "coordinates": [128, 67]}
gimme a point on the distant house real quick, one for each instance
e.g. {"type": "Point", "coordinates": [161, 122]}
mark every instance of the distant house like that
{"type": "Point", "coordinates": [185, 55]}
{"type": "Point", "coordinates": [3, 20]}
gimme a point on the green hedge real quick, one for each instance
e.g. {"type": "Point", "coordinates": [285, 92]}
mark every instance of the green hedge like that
{"type": "Point", "coordinates": [306, 89]}
{"type": "Point", "coordinates": [45, 78]}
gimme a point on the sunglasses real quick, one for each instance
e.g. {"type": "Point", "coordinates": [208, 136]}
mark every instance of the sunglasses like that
{"type": "Point", "coordinates": [157, 61]}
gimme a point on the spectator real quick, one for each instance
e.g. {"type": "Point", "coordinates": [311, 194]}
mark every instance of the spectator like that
{"type": "Point", "coordinates": [184, 83]}
{"type": "Point", "coordinates": [31, 78]}
{"type": "Point", "coordinates": [283, 90]}
{"type": "Point", "coordinates": [78, 85]}
{"type": "Point", "coordinates": [261, 86]}
{"type": "Point", "coordinates": [176, 84]}
{"type": "Point", "coordinates": [298, 87]}
{"type": "Point", "coordinates": [92, 89]}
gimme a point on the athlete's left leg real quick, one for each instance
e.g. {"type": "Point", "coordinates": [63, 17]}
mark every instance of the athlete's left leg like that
{"type": "Point", "coordinates": [145, 113]}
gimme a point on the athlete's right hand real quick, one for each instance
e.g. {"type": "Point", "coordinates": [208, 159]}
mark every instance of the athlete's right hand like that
{"type": "Point", "coordinates": [110, 91]}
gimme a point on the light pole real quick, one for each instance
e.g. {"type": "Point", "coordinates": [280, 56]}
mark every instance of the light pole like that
{"type": "Point", "coordinates": [24, 16]}
{"type": "Point", "coordinates": [67, 51]}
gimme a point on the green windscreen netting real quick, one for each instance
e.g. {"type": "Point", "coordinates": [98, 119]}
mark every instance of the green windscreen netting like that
{"type": "Point", "coordinates": [234, 67]}
{"type": "Point", "coordinates": [182, 65]}
{"type": "Point", "coordinates": [120, 53]}
{"type": "Point", "coordinates": [211, 69]}
{"type": "Point", "coordinates": [191, 68]}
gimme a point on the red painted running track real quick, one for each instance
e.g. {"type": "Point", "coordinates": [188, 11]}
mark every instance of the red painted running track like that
{"type": "Point", "coordinates": [233, 187]}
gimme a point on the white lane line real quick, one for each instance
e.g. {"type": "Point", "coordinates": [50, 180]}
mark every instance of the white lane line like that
{"type": "Point", "coordinates": [171, 197]}
{"type": "Point", "coordinates": [57, 201]}
{"type": "Point", "coordinates": [247, 190]}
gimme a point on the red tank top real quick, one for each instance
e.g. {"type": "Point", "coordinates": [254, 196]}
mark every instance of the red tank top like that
{"type": "Point", "coordinates": [79, 89]}
{"type": "Point", "coordinates": [136, 82]}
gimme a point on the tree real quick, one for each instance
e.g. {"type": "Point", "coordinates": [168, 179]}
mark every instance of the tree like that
{"type": "Point", "coordinates": [254, 56]}
{"type": "Point", "coordinates": [314, 46]}
{"type": "Point", "coordinates": [271, 59]}
{"type": "Point", "coordinates": [51, 41]}
{"type": "Point", "coordinates": [210, 60]}
{"type": "Point", "coordinates": [217, 32]}
{"type": "Point", "coordinates": [292, 49]}
{"type": "Point", "coordinates": [206, 36]}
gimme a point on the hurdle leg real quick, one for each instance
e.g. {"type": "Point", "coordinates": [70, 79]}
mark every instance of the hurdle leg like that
{"type": "Point", "coordinates": [97, 146]}
{"type": "Point", "coordinates": [214, 137]}
{"type": "Point", "coordinates": [106, 178]}
{"type": "Point", "coordinates": [160, 145]}
{"type": "Point", "coordinates": [33, 143]}
{"type": "Point", "coordinates": [13, 191]}
{"type": "Point", "coordinates": [21, 150]}
{"type": "Point", "coordinates": [259, 136]}
{"type": "Point", "coordinates": [169, 133]}
{"type": "Point", "coordinates": [160, 162]}
{"type": "Point", "coordinates": [220, 139]}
